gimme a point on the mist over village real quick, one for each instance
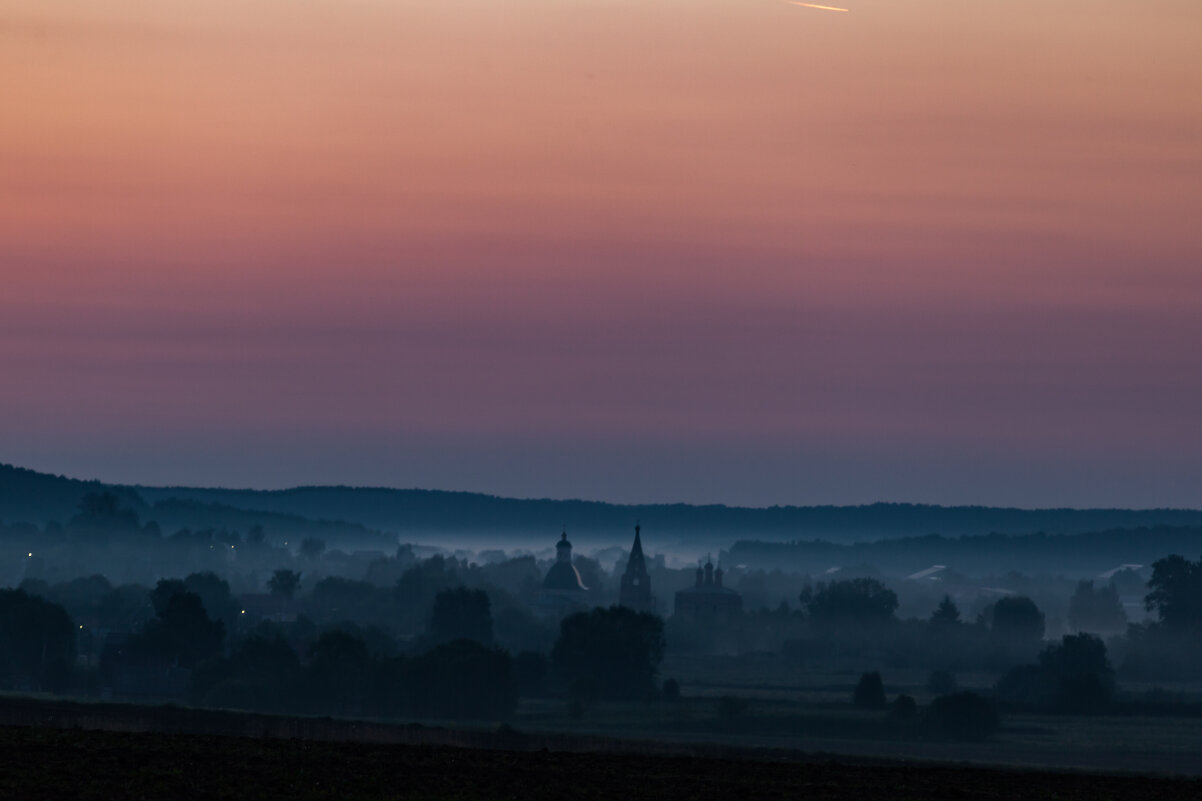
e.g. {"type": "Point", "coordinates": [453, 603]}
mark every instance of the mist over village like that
{"type": "Point", "coordinates": [600, 400]}
{"type": "Point", "coordinates": [287, 613]}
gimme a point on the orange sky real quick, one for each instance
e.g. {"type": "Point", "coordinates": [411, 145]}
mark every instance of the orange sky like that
{"type": "Point", "coordinates": [747, 226]}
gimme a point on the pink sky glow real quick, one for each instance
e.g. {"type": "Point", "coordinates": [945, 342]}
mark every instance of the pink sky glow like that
{"type": "Point", "coordinates": [715, 251]}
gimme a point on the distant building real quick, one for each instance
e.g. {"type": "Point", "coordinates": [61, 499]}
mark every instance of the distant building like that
{"type": "Point", "coordinates": [930, 574]}
{"type": "Point", "coordinates": [708, 600]}
{"type": "Point", "coordinates": [636, 582]}
{"type": "Point", "coordinates": [1109, 574]}
{"type": "Point", "coordinates": [563, 591]}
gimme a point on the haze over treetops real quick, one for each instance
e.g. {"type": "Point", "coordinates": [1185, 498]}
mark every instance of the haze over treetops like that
{"type": "Point", "coordinates": [712, 251]}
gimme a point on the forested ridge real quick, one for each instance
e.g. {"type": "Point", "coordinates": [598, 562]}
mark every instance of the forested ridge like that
{"type": "Point", "coordinates": [29, 496]}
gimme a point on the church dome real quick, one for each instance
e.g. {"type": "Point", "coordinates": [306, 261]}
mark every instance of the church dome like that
{"type": "Point", "coordinates": [563, 576]}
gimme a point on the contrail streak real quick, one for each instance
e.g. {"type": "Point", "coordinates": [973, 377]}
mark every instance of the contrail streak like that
{"type": "Point", "coordinates": [814, 5]}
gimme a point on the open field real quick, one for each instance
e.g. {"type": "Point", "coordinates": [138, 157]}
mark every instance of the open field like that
{"type": "Point", "coordinates": [781, 714]}
{"type": "Point", "coordinates": [1121, 743]}
{"type": "Point", "coordinates": [787, 708]}
{"type": "Point", "coordinates": [78, 764]}
{"type": "Point", "coordinates": [696, 727]}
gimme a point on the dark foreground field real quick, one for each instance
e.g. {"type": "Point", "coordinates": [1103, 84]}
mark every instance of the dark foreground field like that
{"type": "Point", "coordinates": [51, 763]}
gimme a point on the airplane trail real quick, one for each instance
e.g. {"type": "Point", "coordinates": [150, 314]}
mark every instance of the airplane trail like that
{"type": "Point", "coordinates": [815, 5]}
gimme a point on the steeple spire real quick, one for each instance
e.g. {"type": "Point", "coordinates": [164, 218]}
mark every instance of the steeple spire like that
{"type": "Point", "coordinates": [636, 582]}
{"type": "Point", "coordinates": [637, 562]}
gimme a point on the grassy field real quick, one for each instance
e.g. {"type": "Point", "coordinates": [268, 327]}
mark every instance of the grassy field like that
{"type": "Point", "coordinates": [783, 714]}
{"type": "Point", "coordinates": [1101, 743]}
{"type": "Point", "coordinates": [78, 764]}
{"type": "Point", "coordinates": [805, 710]}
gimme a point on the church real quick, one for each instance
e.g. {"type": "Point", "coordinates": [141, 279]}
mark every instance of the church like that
{"type": "Point", "coordinates": [707, 600]}
{"type": "Point", "coordinates": [636, 582]}
{"type": "Point", "coordinates": [563, 591]}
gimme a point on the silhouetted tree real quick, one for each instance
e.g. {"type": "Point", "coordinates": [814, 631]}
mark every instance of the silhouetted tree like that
{"type": "Point", "coordinates": [417, 586]}
{"type": "Point", "coordinates": [337, 677]}
{"type": "Point", "coordinates": [182, 634]}
{"type": "Point", "coordinates": [214, 593]}
{"type": "Point", "coordinates": [461, 613]}
{"type": "Point", "coordinates": [1092, 609]}
{"type": "Point", "coordinates": [859, 601]}
{"type": "Point", "coordinates": [1073, 676]}
{"type": "Point", "coordinates": [284, 583]}
{"type": "Point", "coordinates": [618, 648]}
{"type": "Point", "coordinates": [37, 642]}
{"type": "Point", "coordinates": [947, 614]}
{"type": "Point", "coordinates": [163, 592]}
{"type": "Point", "coordinates": [36, 587]}
{"type": "Point", "coordinates": [256, 536]}
{"type": "Point", "coordinates": [101, 513]}
{"type": "Point", "coordinates": [338, 599]}
{"type": "Point", "coordinates": [125, 608]}
{"type": "Point", "coordinates": [1176, 593]}
{"type": "Point", "coordinates": [312, 547]}
{"type": "Point", "coordinates": [1080, 672]}
{"type": "Point", "coordinates": [80, 596]}
{"type": "Point", "coordinates": [261, 674]}
{"type": "Point", "coordinates": [465, 680]}
{"type": "Point", "coordinates": [869, 692]}
{"type": "Point", "coordinates": [1017, 618]}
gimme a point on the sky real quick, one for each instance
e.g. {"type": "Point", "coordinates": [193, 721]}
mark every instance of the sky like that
{"type": "Point", "coordinates": [712, 251]}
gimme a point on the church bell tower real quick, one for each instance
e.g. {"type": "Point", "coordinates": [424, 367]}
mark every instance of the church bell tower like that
{"type": "Point", "coordinates": [636, 583]}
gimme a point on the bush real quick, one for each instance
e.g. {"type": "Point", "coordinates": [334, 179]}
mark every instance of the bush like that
{"type": "Point", "coordinates": [671, 690]}
{"type": "Point", "coordinates": [870, 692]}
{"type": "Point", "coordinates": [963, 716]}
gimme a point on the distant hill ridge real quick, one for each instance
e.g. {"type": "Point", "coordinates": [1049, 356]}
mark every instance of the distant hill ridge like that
{"type": "Point", "coordinates": [1075, 554]}
{"type": "Point", "coordinates": [406, 510]}
{"type": "Point", "coordinates": [29, 496]}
